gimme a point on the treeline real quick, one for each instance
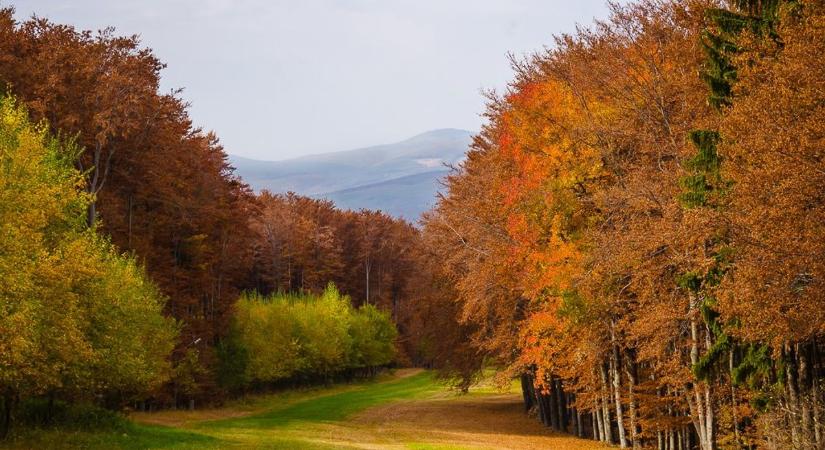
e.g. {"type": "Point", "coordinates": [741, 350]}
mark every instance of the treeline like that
{"type": "Point", "coordinates": [637, 232]}
{"type": "Point", "coordinates": [304, 337]}
{"type": "Point", "coordinates": [302, 244]}
{"type": "Point", "coordinates": [154, 188]}
{"type": "Point", "coordinates": [159, 187]}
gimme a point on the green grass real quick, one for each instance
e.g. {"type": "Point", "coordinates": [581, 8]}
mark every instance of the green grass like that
{"type": "Point", "coordinates": [297, 411]}
{"type": "Point", "coordinates": [335, 407]}
{"type": "Point", "coordinates": [132, 437]}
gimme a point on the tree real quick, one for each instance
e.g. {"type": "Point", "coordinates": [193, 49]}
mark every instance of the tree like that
{"type": "Point", "coordinates": [78, 319]}
{"type": "Point", "coordinates": [162, 188]}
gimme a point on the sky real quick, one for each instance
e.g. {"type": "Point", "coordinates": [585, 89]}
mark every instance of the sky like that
{"type": "Point", "coordinates": [277, 79]}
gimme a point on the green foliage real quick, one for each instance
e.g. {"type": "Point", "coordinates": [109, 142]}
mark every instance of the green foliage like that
{"type": "Point", "coordinates": [373, 336]}
{"type": "Point", "coordinates": [573, 307]}
{"type": "Point", "coordinates": [233, 359]}
{"type": "Point", "coordinates": [294, 336]}
{"type": "Point", "coordinates": [704, 178]}
{"type": "Point", "coordinates": [77, 319]}
{"type": "Point", "coordinates": [756, 16]}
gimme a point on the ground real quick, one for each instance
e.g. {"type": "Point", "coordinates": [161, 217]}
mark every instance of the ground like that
{"type": "Point", "coordinates": [406, 410]}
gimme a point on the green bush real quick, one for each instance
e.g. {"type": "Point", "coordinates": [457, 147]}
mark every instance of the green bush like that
{"type": "Point", "coordinates": [283, 337]}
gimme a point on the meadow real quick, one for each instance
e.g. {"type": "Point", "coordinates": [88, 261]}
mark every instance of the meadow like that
{"type": "Point", "coordinates": [408, 409]}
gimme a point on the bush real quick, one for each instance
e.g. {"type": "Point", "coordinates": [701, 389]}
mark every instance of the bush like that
{"type": "Point", "coordinates": [284, 337]}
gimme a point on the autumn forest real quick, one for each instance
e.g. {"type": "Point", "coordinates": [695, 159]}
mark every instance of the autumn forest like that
{"type": "Point", "coordinates": [633, 247]}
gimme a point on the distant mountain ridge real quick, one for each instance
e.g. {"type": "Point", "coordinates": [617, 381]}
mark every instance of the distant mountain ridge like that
{"type": "Point", "coordinates": [400, 179]}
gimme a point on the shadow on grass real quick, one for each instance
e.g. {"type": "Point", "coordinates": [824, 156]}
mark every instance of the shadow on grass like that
{"type": "Point", "coordinates": [132, 437]}
{"type": "Point", "coordinates": [333, 407]}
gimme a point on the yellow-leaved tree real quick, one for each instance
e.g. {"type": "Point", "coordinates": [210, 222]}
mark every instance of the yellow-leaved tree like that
{"type": "Point", "coordinates": [78, 321]}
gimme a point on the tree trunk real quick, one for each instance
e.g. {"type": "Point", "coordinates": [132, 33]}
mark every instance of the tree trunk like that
{"type": "Point", "coordinates": [579, 425]}
{"type": "Point", "coordinates": [91, 213]}
{"type": "Point", "coordinates": [608, 426]}
{"type": "Point", "coordinates": [792, 393]}
{"type": "Point", "coordinates": [806, 400]}
{"type": "Point", "coordinates": [734, 417]}
{"type": "Point", "coordinates": [8, 399]}
{"type": "Point", "coordinates": [129, 237]}
{"type": "Point", "coordinates": [696, 402]}
{"type": "Point", "coordinates": [710, 426]}
{"type": "Point", "coordinates": [560, 405]}
{"type": "Point", "coordinates": [552, 407]}
{"type": "Point", "coordinates": [525, 391]}
{"type": "Point", "coordinates": [631, 384]}
{"type": "Point", "coordinates": [367, 267]}
{"type": "Point", "coordinates": [615, 375]}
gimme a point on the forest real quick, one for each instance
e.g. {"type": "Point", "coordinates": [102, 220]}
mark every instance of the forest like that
{"type": "Point", "coordinates": [635, 236]}
{"type": "Point", "coordinates": [650, 261]}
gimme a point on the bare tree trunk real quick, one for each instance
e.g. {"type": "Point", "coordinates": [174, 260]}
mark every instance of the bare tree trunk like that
{"type": "Point", "coordinates": [597, 424]}
{"type": "Point", "coordinates": [560, 405]}
{"type": "Point", "coordinates": [367, 267]}
{"type": "Point", "coordinates": [710, 426]}
{"type": "Point", "coordinates": [672, 439]}
{"type": "Point", "coordinates": [608, 425]}
{"type": "Point", "coordinates": [579, 425]}
{"type": "Point", "coordinates": [697, 402]}
{"type": "Point", "coordinates": [793, 395]}
{"type": "Point", "coordinates": [525, 391]}
{"type": "Point", "coordinates": [631, 383]}
{"type": "Point", "coordinates": [615, 375]}
{"type": "Point", "coordinates": [553, 405]}
{"type": "Point", "coordinates": [805, 399]}
{"type": "Point", "coordinates": [733, 401]}
{"type": "Point", "coordinates": [129, 239]}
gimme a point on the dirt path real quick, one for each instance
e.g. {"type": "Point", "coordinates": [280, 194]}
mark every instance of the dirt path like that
{"type": "Point", "coordinates": [475, 421]}
{"type": "Point", "coordinates": [408, 410]}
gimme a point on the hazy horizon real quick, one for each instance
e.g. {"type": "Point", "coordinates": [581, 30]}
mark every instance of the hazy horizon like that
{"type": "Point", "coordinates": [279, 80]}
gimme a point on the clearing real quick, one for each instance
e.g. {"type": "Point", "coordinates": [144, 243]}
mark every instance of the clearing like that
{"type": "Point", "coordinates": [406, 410]}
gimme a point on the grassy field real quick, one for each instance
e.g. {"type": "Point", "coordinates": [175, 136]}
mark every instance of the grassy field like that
{"type": "Point", "coordinates": [408, 410]}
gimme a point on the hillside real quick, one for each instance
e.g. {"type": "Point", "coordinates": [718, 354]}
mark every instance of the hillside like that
{"type": "Point", "coordinates": [400, 178]}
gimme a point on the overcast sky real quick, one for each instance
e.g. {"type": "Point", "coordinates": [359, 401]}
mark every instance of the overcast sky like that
{"type": "Point", "coordinates": [283, 78]}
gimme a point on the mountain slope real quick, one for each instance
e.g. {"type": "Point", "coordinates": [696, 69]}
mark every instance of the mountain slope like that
{"type": "Point", "coordinates": [400, 179]}
{"type": "Point", "coordinates": [405, 197]}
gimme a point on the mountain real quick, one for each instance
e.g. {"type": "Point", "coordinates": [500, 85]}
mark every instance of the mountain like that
{"type": "Point", "coordinates": [400, 179]}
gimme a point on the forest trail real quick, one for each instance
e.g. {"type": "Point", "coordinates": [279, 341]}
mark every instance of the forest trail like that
{"type": "Point", "coordinates": [408, 410]}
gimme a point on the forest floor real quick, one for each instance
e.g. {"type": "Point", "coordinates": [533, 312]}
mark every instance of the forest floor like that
{"type": "Point", "coordinates": [405, 410]}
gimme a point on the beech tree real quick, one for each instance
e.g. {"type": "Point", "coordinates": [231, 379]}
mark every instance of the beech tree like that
{"type": "Point", "coordinates": [624, 209]}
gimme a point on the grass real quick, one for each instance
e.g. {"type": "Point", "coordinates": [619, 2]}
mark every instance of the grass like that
{"type": "Point", "coordinates": [334, 407]}
{"type": "Point", "coordinates": [265, 420]}
{"type": "Point", "coordinates": [408, 411]}
{"type": "Point", "coordinates": [132, 437]}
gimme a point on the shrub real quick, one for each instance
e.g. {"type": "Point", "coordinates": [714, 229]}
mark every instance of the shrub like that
{"type": "Point", "coordinates": [283, 337]}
